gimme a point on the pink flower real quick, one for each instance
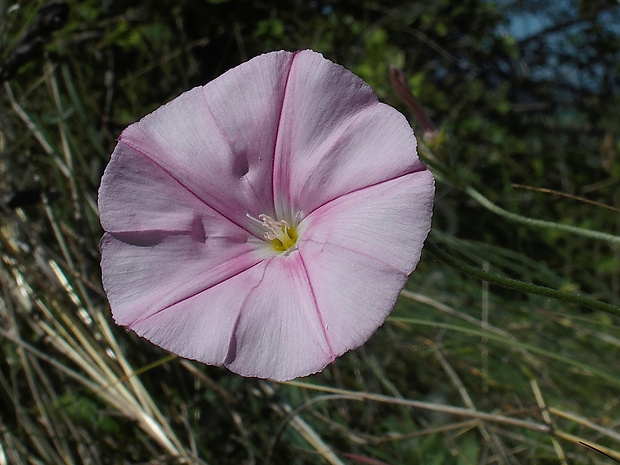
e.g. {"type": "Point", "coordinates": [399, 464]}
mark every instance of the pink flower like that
{"type": "Point", "coordinates": [266, 221]}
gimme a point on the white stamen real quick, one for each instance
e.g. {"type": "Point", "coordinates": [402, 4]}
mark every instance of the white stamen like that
{"type": "Point", "coordinates": [274, 230]}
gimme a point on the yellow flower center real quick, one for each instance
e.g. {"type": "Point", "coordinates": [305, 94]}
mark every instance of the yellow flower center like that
{"type": "Point", "coordinates": [282, 235]}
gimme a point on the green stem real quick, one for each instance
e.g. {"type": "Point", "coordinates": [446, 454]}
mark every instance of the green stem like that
{"type": "Point", "coordinates": [549, 353]}
{"type": "Point", "coordinates": [509, 283]}
{"type": "Point", "coordinates": [486, 203]}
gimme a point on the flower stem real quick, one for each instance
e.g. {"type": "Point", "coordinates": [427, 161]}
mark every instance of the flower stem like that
{"type": "Point", "coordinates": [486, 203]}
{"type": "Point", "coordinates": [522, 286]}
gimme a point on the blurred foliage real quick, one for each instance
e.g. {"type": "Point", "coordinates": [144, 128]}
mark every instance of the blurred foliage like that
{"type": "Point", "coordinates": [523, 92]}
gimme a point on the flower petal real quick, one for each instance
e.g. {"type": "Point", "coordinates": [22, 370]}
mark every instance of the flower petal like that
{"type": "Point", "coordinates": [386, 222]}
{"type": "Point", "coordinates": [335, 137]}
{"type": "Point", "coordinates": [163, 243]}
{"type": "Point", "coordinates": [280, 334]}
{"type": "Point", "coordinates": [202, 326]}
{"type": "Point", "coordinates": [368, 242]}
{"type": "Point", "coordinates": [218, 140]}
{"type": "Point", "coordinates": [147, 271]}
{"type": "Point", "coordinates": [262, 322]}
{"type": "Point", "coordinates": [375, 146]}
{"type": "Point", "coordinates": [353, 309]}
{"type": "Point", "coordinates": [137, 195]}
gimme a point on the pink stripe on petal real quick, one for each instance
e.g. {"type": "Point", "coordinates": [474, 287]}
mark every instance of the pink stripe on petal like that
{"type": "Point", "coordinates": [358, 251]}
{"type": "Point", "coordinates": [219, 139]}
{"type": "Point", "coordinates": [247, 104]}
{"type": "Point", "coordinates": [375, 145]}
{"type": "Point", "coordinates": [321, 97]}
{"type": "Point", "coordinates": [354, 292]}
{"type": "Point", "coordinates": [279, 334]}
{"type": "Point", "coordinates": [388, 221]}
{"type": "Point", "coordinates": [146, 272]}
{"type": "Point", "coordinates": [202, 326]}
{"type": "Point", "coordinates": [137, 195]}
